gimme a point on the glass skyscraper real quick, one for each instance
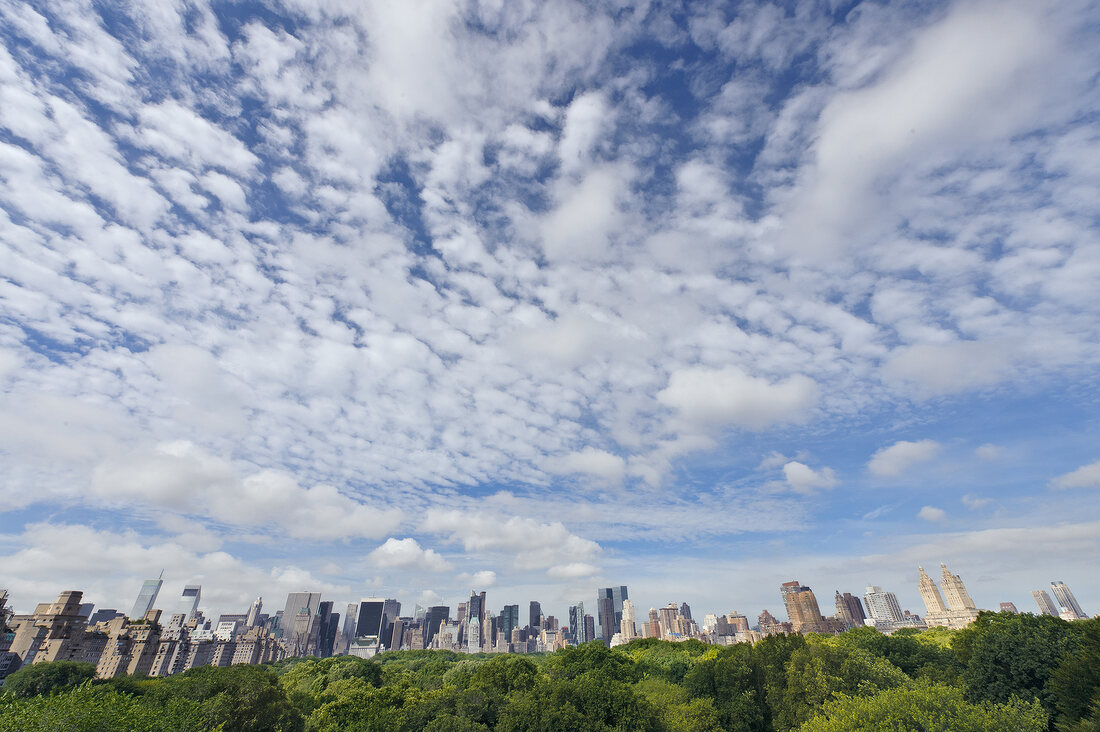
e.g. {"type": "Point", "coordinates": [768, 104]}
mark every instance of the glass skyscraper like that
{"type": "Point", "coordinates": [146, 597]}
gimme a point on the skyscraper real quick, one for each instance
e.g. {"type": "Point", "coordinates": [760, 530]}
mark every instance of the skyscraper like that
{"type": "Point", "coordinates": [189, 602]}
{"type": "Point", "coordinates": [299, 623]}
{"type": "Point", "coordinates": [954, 609]}
{"type": "Point", "coordinates": [802, 608]}
{"type": "Point", "coordinates": [849, 609]}
{"type": "Point", "coordinates": [628, 628]}
{"type": "Point", "coordinates": [254, 612]}
{"type": "Point", "coordinates": [146, 597]}
{"type": "Point", "coordinates": [616, 595]}
{"type": "Point", "coordinates": [1066, 600]}
{"type": "Point", "coordinates": [883, 606]}
{"type": "Point", "coordinates": [434, 618]}
{"type": "Point", "coordinates": [1042, 599]}
{"type": "Point", "coordinates": [576, 623]}
{"type": "Point", "coordinates": [535, 615]}
{"type": "Point", "coordinates": [605, 609]}
{"type": "Point", "coordinates": [509, 620]}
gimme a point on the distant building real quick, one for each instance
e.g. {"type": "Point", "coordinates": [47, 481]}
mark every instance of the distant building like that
{"type": "Point", "coordinates": [802, 609]}
{"type": "Point", "coordinates": [849, 609]}
{"type": "Point", "coordinates": [535, 615]}
{"type": "Point", "coordinates": [189, 600]}
{"type": "Point", "coordinates": [147, 597]}
{"type": "Point", "coordinates": [954, 609]}
{"type": "Point", "coordinates": [1042, 599]}
{"type": "Point", "coordinates": [1008, 607]}
{"type": "Point", "coordinates": [1067, 602]}
{"type": "Point", "coordinates": [628, 628]}
{"type": "Point", "coordinates": [882, 605]}
{"type": "Point", "coordinates": [299, 623]}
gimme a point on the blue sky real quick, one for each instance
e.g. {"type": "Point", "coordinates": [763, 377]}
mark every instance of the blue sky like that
{"type": "Point", "coordinates": [537, 297]}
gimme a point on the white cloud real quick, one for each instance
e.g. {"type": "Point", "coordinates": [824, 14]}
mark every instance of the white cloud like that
{"type": "Point", "coordinates": [805, 480]}
{"type": "Point", "coordinates": [573, 570]}
{"type": "Point", "coordinates": [989, 451]}
{"type": "Point", "coordinates": [931, 513]}
{"type": "Point", "coordinates": [591, 461]}
{"type": "Point", "coordinates": [975, 502]}
{"type": "Point", "coordinates": [896, 459]}
{"type": "Point", "coordinates": [729, 396]}
{"type": "Point", "coordinates": [407, 554]}
{"type": "Point", "coordinates": [531, 544]}
{"type": "Point", "coordinates": [1086, 476]}
{"type": "Point", "coordinates": [949, 367]}
{"type": "Point", "coordinates": [481, 580]}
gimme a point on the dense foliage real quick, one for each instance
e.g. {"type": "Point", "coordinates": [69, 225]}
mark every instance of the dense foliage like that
{"type": "Point", "coordinates": [1006, 671]}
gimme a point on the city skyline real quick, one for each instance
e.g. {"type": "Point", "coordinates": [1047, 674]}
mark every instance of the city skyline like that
{"type": "Point", "coordinates": [387, 300]}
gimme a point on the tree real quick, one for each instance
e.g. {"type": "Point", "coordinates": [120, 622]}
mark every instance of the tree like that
{"type": "Point", "coordinates": [905, 650]}
{"type": "Point", "coordinates": [924, 706]}
{"type": "Point", "coordinates": [239, 698]}
{"type": "Point", "coordinates": [818, 671]}
{"type": "Point", "coordinates": [728, 679]}
{"type": "Point", "coordinates": [573, 661]}
{"type": "Point", "coordinates": [1011, 654]}
{"type": "Point", "coordinates": [1075, 683]}
{"type": "Point", "coordinates": [91, 708]}
{"type": "Point", "coordinates": [769, 661]}
{"type": "Point", "coordinates": [45, 678]}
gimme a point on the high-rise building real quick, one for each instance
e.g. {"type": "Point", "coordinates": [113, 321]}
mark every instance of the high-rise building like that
{"type": "Point", "coordinates": [802, 609]}
{"type": "Point", "coordinates": [535, 615]}
{"type": "Point", "coordinates": [1009, 607]}
{"type": "Point", "coordinates": [589, 628]}
{"type": "Point", "coordinates": [473, 635]}
{"type": "Point", "coordinates": [189, 601]}
{"type": "Point", "coordinates": [605, 611]}
{"type": "Point", "coordinates": [254, 610]}
{"type": "Point", "coordinates": [1067, 601]}
{"type": "Point", "coordinates": [509, 620]}
{"type": "Point", "coordinates": [1046, 606]}
{"type": "Point", "coordinates": [299, 626]}
{"type": "Point", "coordinates": [628, 628]}
{"type": "Point", "coordinates": [147, 596]}
{"type": "Point", "coordinates": [849, 609]}
{"type": "Point", "coordinates": [883, 606]}
{"type": "Point", "coordinates": [576, 623]}
{"type": "Point", "coordinates": [954, 609]}
{"type": "Point", "coordinates": [616, 595]}
{"type": "Point", "coordinates": [436, 616]}
{"type": "Point", "coordinates": [685, 610]}
{"type": "Point", "coordinates": [329, 623]}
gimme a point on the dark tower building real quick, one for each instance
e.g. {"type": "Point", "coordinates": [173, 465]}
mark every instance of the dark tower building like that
{"type": "Point", "coordinates": [535, 614]}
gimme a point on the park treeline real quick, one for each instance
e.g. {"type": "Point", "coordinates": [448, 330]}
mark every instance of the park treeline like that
{"type": "Point", "coordinates": [1004, 672]}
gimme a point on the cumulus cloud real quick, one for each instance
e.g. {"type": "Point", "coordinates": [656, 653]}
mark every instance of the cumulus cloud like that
{"type": "Point", "coordinates": [931, 513]}
{"type": "Point", "coordinates": [591, 461]}
{"type": "Point", "coordinates": [1086, 476]}
{"type": "Point", "coordinates": [729, 396]}
{"type": "Point", "coordinates": [182, 476]}
{"type": "Point", "coordinates": [407, 554]}
{"type": "Point", "coordinates": [892, 461]}
{"type": "Point", "coordinates": [531, 544]}
{"type": "Point", "coordinates": [481, 580]}
{"type": "Point", "coordinates": [805, 480]}
{"type": "Point", "coordinates": [947, 368]}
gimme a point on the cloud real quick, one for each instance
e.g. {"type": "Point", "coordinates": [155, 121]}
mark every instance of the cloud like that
{"type": "Point", "coordinates": [892, 461]}
{"type": "Point", "coordinates": [573, 570]}
{"type": "Point", "coordinates": [729, 396]}
{"type": "Point", "coordinates": [482, 579]}
{"type": "Point", "coordinates": [931, 513]}
{"type": "Point", "coordinates": [989, 451]}
{"type": "Point", "coordinates": [591, 461]}
{"type": "Point", "coordinates": [948, 368]}
{"type": "Point", "coordinates": [974, 502]}
{"type": "Point", "coordinates": [531, 544]}
{"type": "Point", "coordinates": [182, 476]}
{"type": "Point", "coordinates": [805, 480]}
{"type": "Point", "coordinates": [1086, 476]}
{"type": "Point", "coordinates": [407, 554]}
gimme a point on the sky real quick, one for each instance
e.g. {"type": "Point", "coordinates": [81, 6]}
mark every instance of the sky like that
{"type": "Point", "coordinates": [539, 296]}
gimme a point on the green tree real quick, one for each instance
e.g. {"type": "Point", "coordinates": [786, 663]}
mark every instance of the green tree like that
{"type": "Point", "coordinates": [354, 705]}
{"type": "Point", "coordinates": [1075, 683]}
{"type": "Point", "coordinates": [1012, 654]}
{"type": "Point", "coordinates": [820, 670]}
{"type": "Point", "coordinates": [924, 706]}
{"type": "Point", "coordinates": [678, 711]}
{"type": "Point", "coordinates": [727, 678]}
{"type": "Point", "coordinates": [770, 657]}
{"type": "Point", "coordinates": [305, 680]}
{"type": "Point", "coordinates": [573, 661]}
{"type": "Point", "coordinates": [590, 701]}
{"type": "Point", "coordinates": [94, 708]}
{"type": "Point", "coordinates": [238, 698]}
{"type": "Point", "coordinates": [44, 678]}
{"type": "Point", "coordinates": [905, 650]}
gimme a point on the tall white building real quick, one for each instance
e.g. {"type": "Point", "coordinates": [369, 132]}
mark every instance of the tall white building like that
{"type": "Point", "coordinates": [883, 606]}
{"type": "Point", "coordinates": [146, 597]}
{"type": "Point", "coordinates": [1046, 606]}
{"type": "Point", "coordinates": [954, 609]}
{"type": "Point", "coordinates": [1067, 601]}
{"type": "Point", "coordinates": [628, 631]}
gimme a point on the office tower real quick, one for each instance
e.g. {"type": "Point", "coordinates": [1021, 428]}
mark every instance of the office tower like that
{"type": "Point", "coordinates": [329, 623]}
{"type": "Point", "coordinates": [802, 609]}
{"type": "Point", "coordinates": [436, 616]}
{"type": "Point", "coordinates": [1009, 607]}
{"type": "Point", "coordinates": [954, 592]}
{"type": "Point", "coordinates": [605, 612]}
{"type": "Point", "coordinates": [616, 595]}
{"type": "Point", "coordinates": [509, 620]}
{"type": "Point", "coordinates": [1067, 601]}
{"type": "Point", "coordinates": [849, 609]}
{"type": "Point", "coordinates": [589, 628]}
{"type": "Point", "coordinates": [628, 629]}
{"type": "Point", "coordinates": [476, 608]}
{"type": "Point", "coordinates": [253, 617]}
{"type": "Point", "coordinates": [930, 594]}
{"type": "Point", "coordinates": [189, 601]}
{"type": "Point", "coordinates": [299, 623]}
{"type": "Point", "coordinates": [473, 635]}
{"type": "Point", "coordinates": [391, 609]}
{"type": "Point", "coordinates": [535, 615]}
{"type": "Point", "coordinates": [576, 623]}
{"type": "Point", "coordinates": [418, 612]}
{"type": "Point", "coordinates": [685, 610]}
{"type": "Point", "coordinates": [883, 606]}
{"type": "Point", "coordinates": [1042, 599]}
{"type": "Point", "coordinates": [668, 620]}
{"type": "Point", "coordinates": [146, 597]}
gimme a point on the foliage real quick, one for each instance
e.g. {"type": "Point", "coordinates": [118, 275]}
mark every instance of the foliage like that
{"type": "Point", "coordinates": [905, 650]}
{"type": "Point", "coordinates": [819, 670]}
{"type": "Point", "coordinates": [239, 698]}
{"type": "Point", "coordinates": [45, 678]}
{"type": "Point", "coordinates": [670, 661]}
{"type": "Point", "coordinates": [573, 661]}
{"type": "Point", "coordinates": [924, 706]}
{"type": "Point", "coordinates": [92, 708]}
{"type": "Point", "coordinates": [1012, 654]}
{"type": "Point", "coordinates": [1075, 683]}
